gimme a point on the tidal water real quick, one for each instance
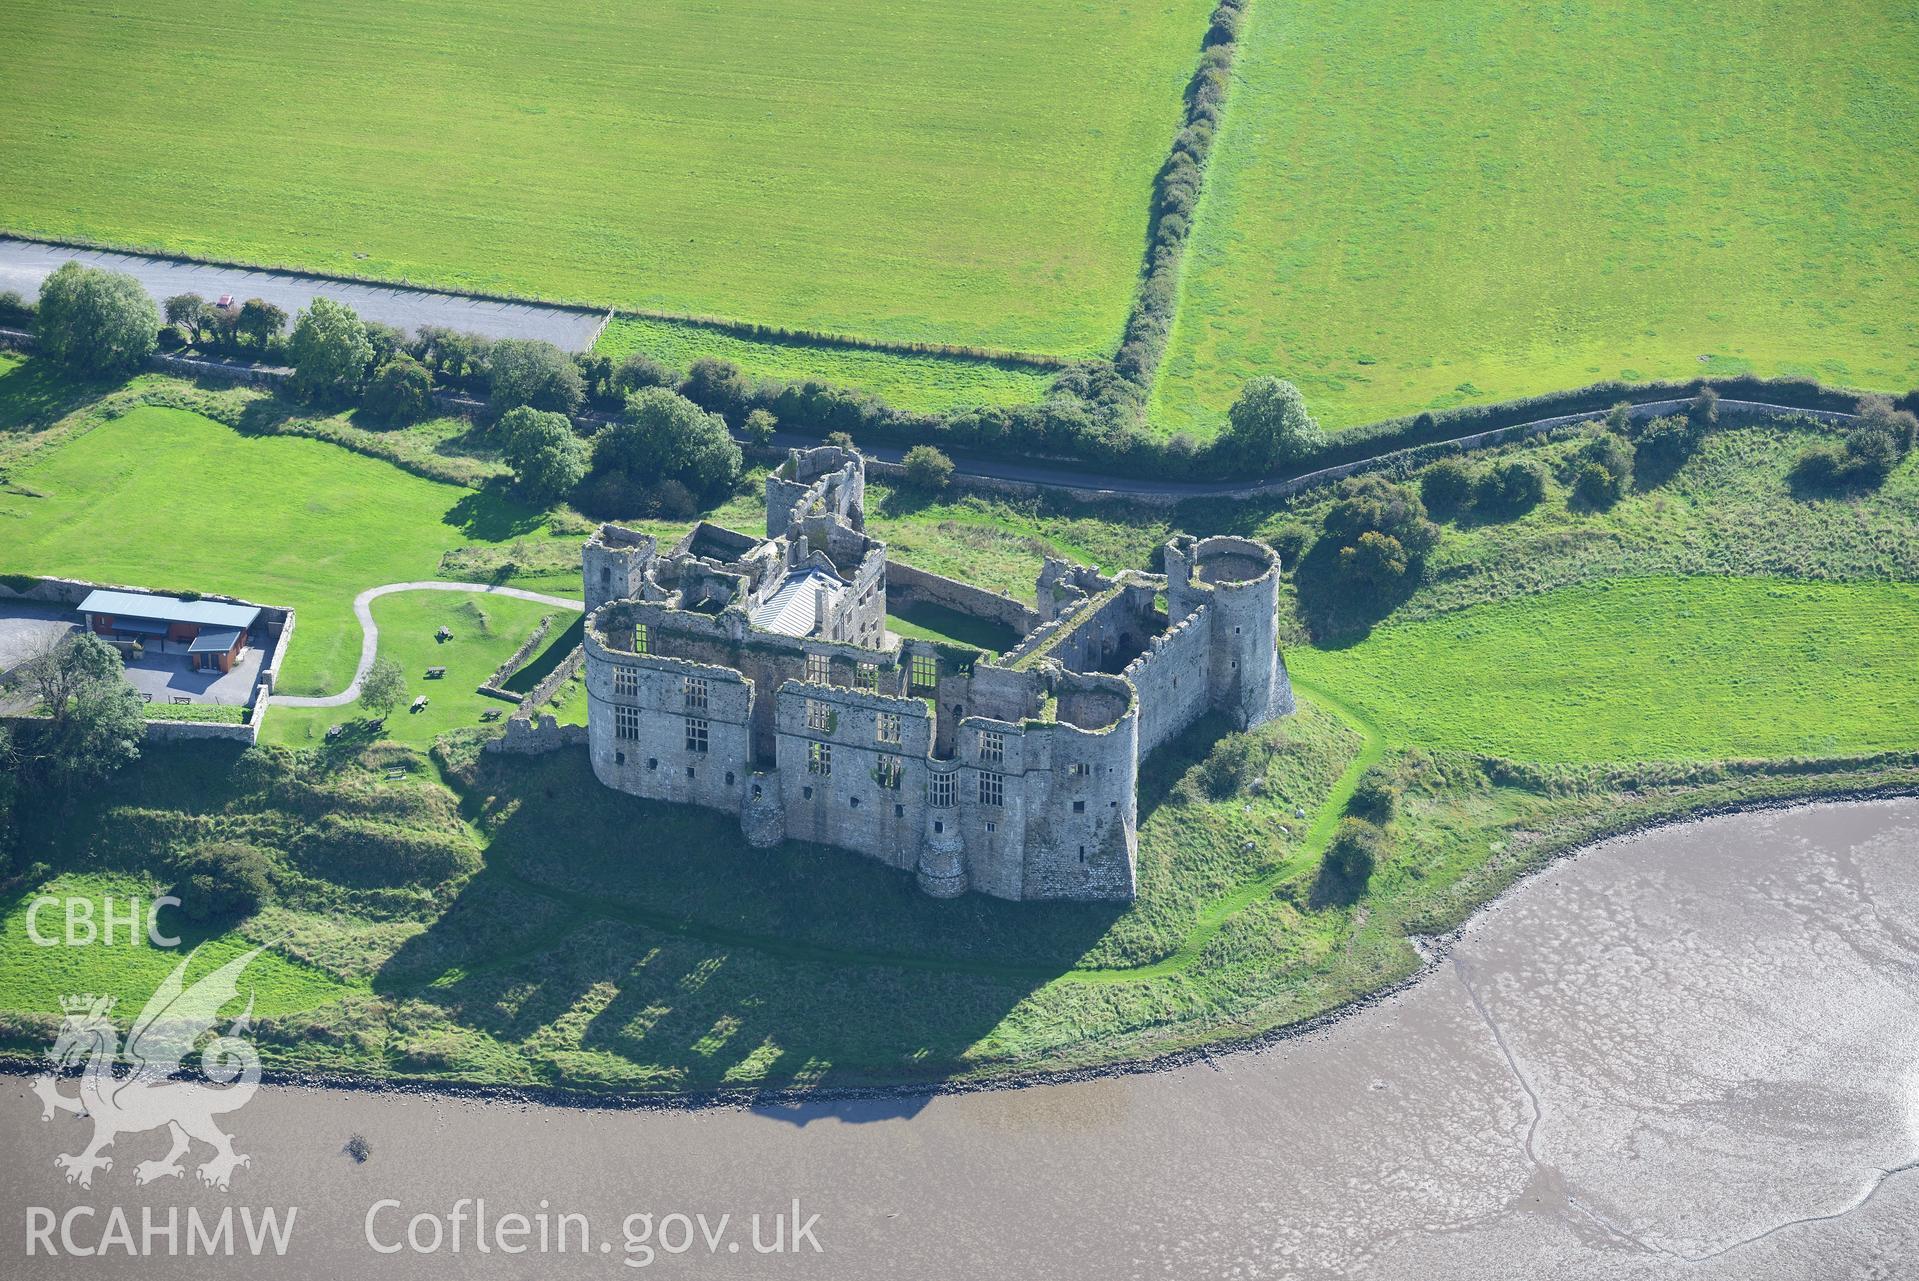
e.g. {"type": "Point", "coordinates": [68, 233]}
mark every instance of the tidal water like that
{"type": "Point", "coordinates": [1693, 1053]}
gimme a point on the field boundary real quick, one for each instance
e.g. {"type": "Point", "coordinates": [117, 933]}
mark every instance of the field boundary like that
{"type": "Point", "coordinates": [739, 328]}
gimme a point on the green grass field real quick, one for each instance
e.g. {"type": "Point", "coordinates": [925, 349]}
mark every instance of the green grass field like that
{"type": "Point", "coordinates": [924, 384]}
{"type": "Point", "coordinates": [1423, 204]}
{"type": "Point", "coordinates": [486, 630]}
{"type": "Point", "coordinates": [927, 172]}
{"type": "Point", "coordinates": [1646, 669]}
{"type": "Point", "coordinates": [168, 499]}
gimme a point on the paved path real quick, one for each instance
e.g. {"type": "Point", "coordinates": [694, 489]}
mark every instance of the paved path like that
{"type": "Point", "coordinates": [370, 640]}
{"type": "Point", "coordinates": [25, 263]}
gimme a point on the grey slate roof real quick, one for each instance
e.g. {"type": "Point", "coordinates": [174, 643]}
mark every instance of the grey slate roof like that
{"type": "Point", "coordinates": [792, 610]}
{"type": "Point", "coordinates": [214, 640]}
{"type": "Point", "coordinates": [169, 609]}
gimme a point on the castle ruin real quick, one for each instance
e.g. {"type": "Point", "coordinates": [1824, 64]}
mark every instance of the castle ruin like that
{"type": "Point", "coordinates": [757, 676]}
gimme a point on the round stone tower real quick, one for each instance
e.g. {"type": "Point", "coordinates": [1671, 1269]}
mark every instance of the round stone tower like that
{"type": "Point", "coordinates": [1248, 679]}
{"type": "Point", "coordinates": [942, 862]}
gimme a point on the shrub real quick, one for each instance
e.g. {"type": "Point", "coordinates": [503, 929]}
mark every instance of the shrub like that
{"type": "Point", "coordinates": [1664, 446]}
{"type": "Point", "coordinates": [329, 349]}
{"type": "Point", "coordinates": [1375, 562]}
{"type": "Point", "coordinates": [1375, 799]}
{"type": "Point", "coordinates": [1511, 488]}
{"type": "Point", "coordinates": [759, 427]}
{"type": "Point", "coordinates": [1704, 410]}
{"type": "Point", "coordinates": [527, 371]}
{"type": "Point", "coordinates": [223, 881]}
{"type": "Point", "coordinates": [1901, 424]}
{"type": "Point", "coordinates": [927, 468]}
{"type": "Point", "coordinates": [1290, 542]}
{"type": "Point", "coordinates": [1603, 470]}
{"type": "Point", "coordinates": [1355, 851]}
{"type": "Point", "coordinates": [100, 323]}
{"type": "Point", "coordinates": [1447, 486]}
{"type": "Point", "coordinates": [400, 392]}
{"type": "Point", "coordinates": [15, 310]}
{"type": "Point", "coordinates": [1373, 503]}
{"type": "Point", "coordinates": [386, 341]}
{"type": "Point", "coordinates": [840, 439]}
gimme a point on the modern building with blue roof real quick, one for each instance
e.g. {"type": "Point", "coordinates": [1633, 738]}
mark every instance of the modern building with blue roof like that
{"type": "Point", "coordinates": [212, 634]}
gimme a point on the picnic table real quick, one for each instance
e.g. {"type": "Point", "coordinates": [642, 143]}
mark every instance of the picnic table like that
{"type": "Point", "coordinates": [419, 704]}
{"type": "Point", "coordinates": [334, 731]}
{"type": "Point", "coordinates": [435, 673]}
{"type": "Point", "coordinates": [491, 714]}
{"type": "Point", "coordinates": [443, 635]}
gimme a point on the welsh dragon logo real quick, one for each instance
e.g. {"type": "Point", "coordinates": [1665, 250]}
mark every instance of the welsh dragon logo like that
{"type": "Point", "coordinates": [144, 1098]}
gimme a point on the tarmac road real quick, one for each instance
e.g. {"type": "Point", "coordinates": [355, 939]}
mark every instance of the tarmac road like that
{"type": "Point", "coordinates": [25, 263]}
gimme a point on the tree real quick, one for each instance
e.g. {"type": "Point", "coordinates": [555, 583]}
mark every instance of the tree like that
{"type": "Point", "coordinates": [101, 323]}
{"type": "Point", "coordinates": [1268, 426]}
{"type": "Point", "coordinates": [640, 371]}
{"type": "Point", "coordinates": [663, 436]}
{"type": "Point", "coordinates": [383, 688]}
{"type": "Point", "coordinates": [759, 428]}
{"type": "Point", "coordinates": [387, 342]}
{"type": "Point", "coordinates": [1447, 486]}
{"type": "Point", "coordinates": [547, 459]}
{"type": "Point", "coordinates": [189, 311]}
{"type": "Point", "coordinates": [717, 386]}
{"type": "Point", "coordinates": [840, 440]}
{"type": "Point", "coordinates": [400, 392]}
{"type": "Point", "coordinates": [260, 323]}
{"type": "Point", "coordinates": [927, 468]}
{"type": "Point", "coordinates": [93, 720]}
{"type": "Point", "coordinates": [330, 350]}
{"type": "Point", "coordinates": [526, 371]}
{"type": "Point", "coordinates": [221, 881]}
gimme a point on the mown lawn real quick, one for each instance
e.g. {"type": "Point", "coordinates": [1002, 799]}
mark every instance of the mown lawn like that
{"type": "Point", "coordinates": [924, 384]}
{"type": "Point", "coordinates": [925, 172]}
{"type": "Point", "coordinates": [486, 630]}
{"type": "Point", "coordinates": [1426, 203]}
{"type": "Point", "coordinates": [1646, 669]}
{"type": "Point", "coordinates": [167, 499]}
